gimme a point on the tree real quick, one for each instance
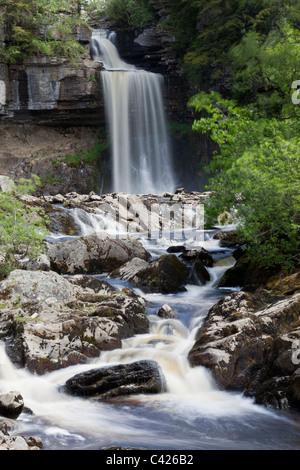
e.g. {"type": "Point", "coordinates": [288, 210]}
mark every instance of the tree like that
{"type": "Point", "coordinates": [255, 177]}
{"type": "Point", "coordinates": [22, 227]}
{"type": "Point", "coordinates": [130, 13]}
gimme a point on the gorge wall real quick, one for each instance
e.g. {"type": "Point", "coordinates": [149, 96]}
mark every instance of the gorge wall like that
{"type": "Point", "coordinates": [51, 109]}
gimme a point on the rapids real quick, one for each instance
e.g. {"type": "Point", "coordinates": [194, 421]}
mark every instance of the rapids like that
{"type": "Point", "coordinates": [192, 413]}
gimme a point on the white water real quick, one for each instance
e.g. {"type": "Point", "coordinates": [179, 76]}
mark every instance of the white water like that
{"type": "Point", "coordinates": [137, 126]}
{"type": "Point", "coordinates": [192, 413]}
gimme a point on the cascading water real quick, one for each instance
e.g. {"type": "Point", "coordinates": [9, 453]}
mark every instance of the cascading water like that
{"type": "Point", "coordinates": [192, 413]}
{"type": "Point", "coordinates": [137, 126]}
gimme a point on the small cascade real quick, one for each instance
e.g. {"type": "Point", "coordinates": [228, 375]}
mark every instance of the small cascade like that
{"type": "Point", "coordinates": [90, 223]}
{"type": "Point", "coordinates": [137, 126]}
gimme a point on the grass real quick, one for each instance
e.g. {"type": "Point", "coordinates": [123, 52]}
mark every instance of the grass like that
{"type": "Point", "coordinates": [88, 157]}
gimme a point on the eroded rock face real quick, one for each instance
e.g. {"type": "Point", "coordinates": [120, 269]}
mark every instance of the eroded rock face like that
{"type": "Point", "coordinates": [112, 381]}
{"type": "Point", "coordinates": [43, 84]}
{"type": "Point", "coordinates": [250, 343]}
{"type": "Point", "coordinates": [49, 322]}
{"type": "Point", "coordinates": [94, 253]}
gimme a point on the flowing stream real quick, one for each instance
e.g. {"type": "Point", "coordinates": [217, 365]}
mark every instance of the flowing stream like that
{"type": "Point", "coordinates": [192, 413]}
{"type": "Point", "coordinates": [137, 126]}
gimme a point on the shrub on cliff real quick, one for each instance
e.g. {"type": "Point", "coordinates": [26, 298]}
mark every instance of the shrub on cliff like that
{"type": "Point", "coordinates": [22, 227]}
{"type": "Point", "coordinates": [39, 27]}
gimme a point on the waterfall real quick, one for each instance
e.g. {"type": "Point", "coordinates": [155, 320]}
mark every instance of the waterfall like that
{"type": "Point", "coordinates": [137, 126]}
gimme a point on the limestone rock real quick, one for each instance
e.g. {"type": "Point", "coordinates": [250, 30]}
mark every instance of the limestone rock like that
{"type": "Point", "coordinates": [49, 322]}
{"type": "Point", "coordinates": [251, 343]}
{"type": "Point", "coordinates": [94, 253]}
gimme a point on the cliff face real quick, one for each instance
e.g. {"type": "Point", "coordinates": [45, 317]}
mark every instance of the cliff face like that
{"type": "Point", "coordinates": [51, 108]}
{"type": "Point", "coordinates": [52, 90]}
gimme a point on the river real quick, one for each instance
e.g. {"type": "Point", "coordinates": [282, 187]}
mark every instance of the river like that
{"type": "Point", "coordinates": [192, 413]}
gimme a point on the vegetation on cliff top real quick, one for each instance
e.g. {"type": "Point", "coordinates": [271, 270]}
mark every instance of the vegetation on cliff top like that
{"type": "Point", "coordinates": [39, 27]}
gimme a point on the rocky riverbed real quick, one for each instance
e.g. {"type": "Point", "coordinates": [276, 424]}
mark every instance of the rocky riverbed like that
{"type": "Point", "coordinates": [57, 312]}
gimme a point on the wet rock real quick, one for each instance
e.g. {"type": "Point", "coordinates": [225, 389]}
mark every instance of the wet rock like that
{"type": "Point", "coordinates": [251, 342]}
{"type": "Point", "coordinates": [62, 223]}
{"type": "Point", "coordinates": [113, 381]}
{"type": "Point", "coordinates": [165, 311]}
{"type": "Point", "coordinates": [50, 322]}
{"type": "Point", "coordinates": [11, 404]}
{"type": "Point", "coordinates": [198, 254]}
{"type": "Point", "coordinates": [198, 274]}
{"type": "Point", "coordinates": [227, 238]}
{"type": "Point", "coordinates": [166, 274]}
{"type": "Point", "coordinates": [8, 442]}
{"type": "Point", "coordinates": [34, 442]}
{"type": "Point", "coordinates": [94, 253]}
{"type": "Point", "coordinates": [176, 249]}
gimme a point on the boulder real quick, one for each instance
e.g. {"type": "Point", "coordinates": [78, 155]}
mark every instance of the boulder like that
{"type": "Point", "coordinates": [94, 253]}
{"type": "Point", "coordinates": [49, 322]}
{"type": "Point", "coordinates": [165, 274]}
{"type": "Point", "coordinates": [8, 442]}
{"type": "Point", "coordinates": [228, 238]}
{"type": "Point", "coordinates": [61, 222]}
{"type": "Point", "coordinates": [11, 405]}
{"type": "Point", "coordinates": [251, 342]}
{"type": "Point", "coordinates": [165, 311]}
{"type": "Point", "coordinates": [198, 254]}
{"type": "Point", "coordinates": [14, 443]}
{"type": "Point", "coordinates": [113, 381]}
{"type": "Point", "coordinates": [42, 263]}
{"type": "Point", "coordinates": [250, 274]}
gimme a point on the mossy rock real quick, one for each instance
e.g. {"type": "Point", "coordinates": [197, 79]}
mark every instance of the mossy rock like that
{"type": "Point", "coordinates": [248, 273]}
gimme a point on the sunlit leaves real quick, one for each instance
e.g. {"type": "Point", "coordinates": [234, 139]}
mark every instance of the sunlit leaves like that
{"type": "Point", "coordinates": [22, 227]}
{"type": "Point", "coordinates": [256, 176]}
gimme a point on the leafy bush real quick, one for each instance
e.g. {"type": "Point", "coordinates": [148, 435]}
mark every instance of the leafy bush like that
{"type": "Point", "coordinates": [256, 177]}
{"type": "Point", "coordinates": [130, 13]}
{"type": "Point", "coordinates": [22, 227]}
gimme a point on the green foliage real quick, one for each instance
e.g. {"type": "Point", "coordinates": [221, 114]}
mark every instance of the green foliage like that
{"type": "Point", "coordinates": [265, 68]}
{"type": "Point", "coordinates": [22, 227]}
{"type": "Point", "coordinates": [88, 157]}
{"type": "Point", "coordinates": [130, 13]}
{"type": "Point", "coordinates": [39, 27]}
{"type": "Point", "coordinates": [256, 177]}
{"type": "Point", "coordinates": [209, 31]}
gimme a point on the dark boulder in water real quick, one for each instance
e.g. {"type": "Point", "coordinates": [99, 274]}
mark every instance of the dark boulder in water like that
{"type": "Point", "coordinates": [117, 380]}
{"type": "Point", "coordinates": [165, 274]}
